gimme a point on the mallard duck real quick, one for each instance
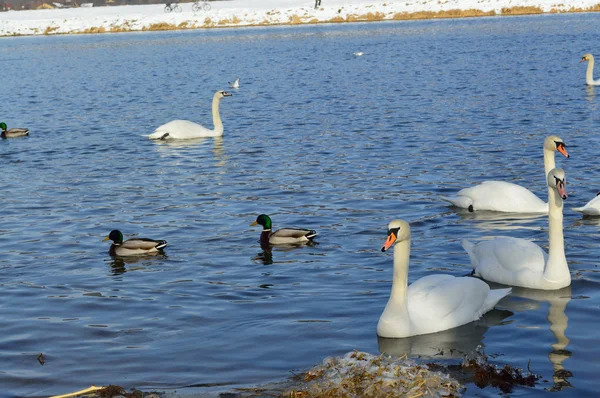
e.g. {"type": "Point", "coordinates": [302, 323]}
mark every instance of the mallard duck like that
{"type": "Point", "coordinates": [133, 247]}
{"type": "Point", "coordinates": [14, 132]}
{"type": "Point", "coordinates": [283, 236]}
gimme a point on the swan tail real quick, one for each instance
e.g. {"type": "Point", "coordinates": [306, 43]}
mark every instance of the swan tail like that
{"type": "Point", "coordinates": [158, 135]}
{"type": "Point", "coordinates": [470, 249]}
{"type": "Point", "coordinates": [493, 297]}
{"type": "Point", "coordinates": [459, 201]}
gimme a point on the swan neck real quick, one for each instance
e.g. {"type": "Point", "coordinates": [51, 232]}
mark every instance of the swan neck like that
{"type": "Point", "coordinates": [549, 161]}
{"type": "Point", "coordinates": [556, 267]}
{"type": "Point", "coordinates": [400, 280]}
{"type": "Point", "coordinates": [589, 74]}
{"type": "Point", "coordinates": [216, 116]}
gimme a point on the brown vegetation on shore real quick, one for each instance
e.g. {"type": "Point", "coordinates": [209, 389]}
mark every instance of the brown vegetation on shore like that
{"type": "Point", "coordinates": [522, 10]}
{"type": "Point", "coordinates": [306, 19]}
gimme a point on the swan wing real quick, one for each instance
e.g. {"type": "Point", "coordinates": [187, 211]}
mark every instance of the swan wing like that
{"type": "Point", "coordinates": [440, 302]}
{"type": "Point", "coordinates": [591, 208]}
{"type": "Point", "coordinates": [510, 261]}
{"type": "Point", "coordinates": [181, 130]}
{"type": "Point", "coordinates": [501, 196]}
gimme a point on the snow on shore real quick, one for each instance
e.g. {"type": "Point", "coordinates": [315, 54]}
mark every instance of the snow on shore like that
{"type": "Point", "coordinates": [257, 12]}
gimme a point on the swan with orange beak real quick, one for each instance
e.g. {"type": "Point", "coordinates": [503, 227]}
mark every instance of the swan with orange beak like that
{"type": "Point", "coordinates": [432, 303]}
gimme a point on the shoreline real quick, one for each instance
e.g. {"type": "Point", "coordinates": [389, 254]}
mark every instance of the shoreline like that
{"type": "Point", "coordinates": [239, 13]}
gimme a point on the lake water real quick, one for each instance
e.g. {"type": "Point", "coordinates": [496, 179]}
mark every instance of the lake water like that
{"type": "Point", "coordinates": [314, 137]}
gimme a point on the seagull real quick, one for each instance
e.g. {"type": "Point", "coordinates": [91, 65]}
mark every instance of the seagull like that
{"type": "Point", "coordinates": [358, 53]}
{"type": "Point", "coordinates": [236, 83]}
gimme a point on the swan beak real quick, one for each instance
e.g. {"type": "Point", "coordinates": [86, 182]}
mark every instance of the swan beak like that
{"type": "Point", "coordinates": [560, 187]}
{"type": "Point", "coordinates": [226, 94]}
{"type": "Point", "coordinates": [389, 241]}
{"type": "Point", "coordinates": [253, 224]}
{"type": "Point", "coordinates": [563, 150]}
{"type": "Point", "coordinates": [105, 239]}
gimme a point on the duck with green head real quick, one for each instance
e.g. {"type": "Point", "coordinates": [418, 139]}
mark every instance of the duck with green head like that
{"type": "Point", "coordinates": [133, 247]}
{"type": "Point", "coordinates": [14, 132]}
{"type": "Point", "coordinates": [283, 236]}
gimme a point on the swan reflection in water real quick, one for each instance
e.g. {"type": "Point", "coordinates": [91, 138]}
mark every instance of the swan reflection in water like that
{"type": "Point", "coordinates": [451, 343]}
{"type": "Point", "coordinates": [495, 220]}
{"type": "Point", "coordinates": [591, 93]}
{"type": "Point", "coordinates": [558, 322]}
{"type": "Point", "coordinates": [464, 340]}
{"type": "Point", "coordinates": [178, 147]}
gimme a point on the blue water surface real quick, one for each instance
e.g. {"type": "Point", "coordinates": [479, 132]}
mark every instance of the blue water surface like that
{"type": "Point", "coordinates": [315, 137]}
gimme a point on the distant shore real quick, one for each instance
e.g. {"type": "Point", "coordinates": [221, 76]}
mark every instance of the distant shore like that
{"type": "Point", "coordinates": [241, 13]}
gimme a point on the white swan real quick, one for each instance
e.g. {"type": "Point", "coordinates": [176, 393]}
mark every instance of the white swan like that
{"type": "Point", "coordinates": [589, 74]}
{"type": "Point", "coordinates": [235, 84]}
{"type": "Point", "coordinates": [185, 130]}
{"type": "Point", "coordinates": [519, 262]}
{"type": "Point", "coordinates": [432, 303]}
{"type": "Point", "coordinates": [506, 196]}
{"type": "Point", "coordinates": [358, 53]}
{"type": "Point", "coordinates": [591, 208]}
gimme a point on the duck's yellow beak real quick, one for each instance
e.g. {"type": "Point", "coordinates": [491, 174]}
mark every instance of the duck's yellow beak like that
{"type": "Point", "coordinates": [253, 224]}
{"type": "Point", "coordinates": [105, 239]}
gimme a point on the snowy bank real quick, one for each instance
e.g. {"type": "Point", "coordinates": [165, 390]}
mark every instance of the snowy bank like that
{"type": "Point", "coordinates": [236, 13]}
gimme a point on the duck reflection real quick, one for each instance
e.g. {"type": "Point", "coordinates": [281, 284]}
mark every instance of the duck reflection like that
{"type": "Point", "coordinates": [266, 255]}
{"type": "Point", "coordinates": [495, 220]}
{"type": "Point", "coordinates": [120, 265]}
{"type": "Point", "coordinates": [558, 320]}
{"type": "Point", "coordinates": [452, 343]}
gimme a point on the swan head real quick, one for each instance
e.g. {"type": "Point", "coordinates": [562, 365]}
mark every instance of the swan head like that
{"type": "Point", "coordinates": [398, 231]}
{"type": "Point", "coordinates": [263, 220]}
{"type": "Point", "coordinates": [222, 93]}
{"type": "Point", "coordinates": [557, 180]}
{"type": "Point", "coordinates": [587, 57]}
{"type": "Point", "coordinates": [555, 143]}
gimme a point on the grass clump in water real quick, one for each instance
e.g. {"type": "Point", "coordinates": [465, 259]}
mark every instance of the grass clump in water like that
{"type": "Point", "coordinates": [359, 374]}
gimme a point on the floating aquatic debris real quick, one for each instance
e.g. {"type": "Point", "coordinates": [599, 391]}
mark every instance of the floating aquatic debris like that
{"type": "Point", "coordinates": [359, 374]}
{"type": "Point", "coordinates": [482, 373]}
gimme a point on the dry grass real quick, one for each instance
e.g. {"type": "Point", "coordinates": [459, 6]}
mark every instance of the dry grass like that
{"type": "Point", "coordinates": [295, 20]}
{"type": "Point", "coordinates": [160, 26]}
{"type": "Point", "coordinates": [455, 13]}
{"type": "Point", "coordinates": [521, 10]}
{"type": "Point", "coordinates": [559, 8]}
{"type": "Point", "coordinates": [94, 29]}
{"type": "Point", "coordinates": [50, 30]}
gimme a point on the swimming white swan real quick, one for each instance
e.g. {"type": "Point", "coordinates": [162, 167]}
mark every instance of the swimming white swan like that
{"type": "Point", "coordinates": [235, 84]}
{"type": "Point", "coordinates": [185, 130]}
{"type": "Point", "coordinates": [589, 74]}
{"type": "Point", "coordinates": [519, 262]}
{"type": "Point", "coordinates": [432, 303]}
{"type": "Point", "coordinates": [506, 196]}
{"type": "Point", "coordinates": [591, 208]}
